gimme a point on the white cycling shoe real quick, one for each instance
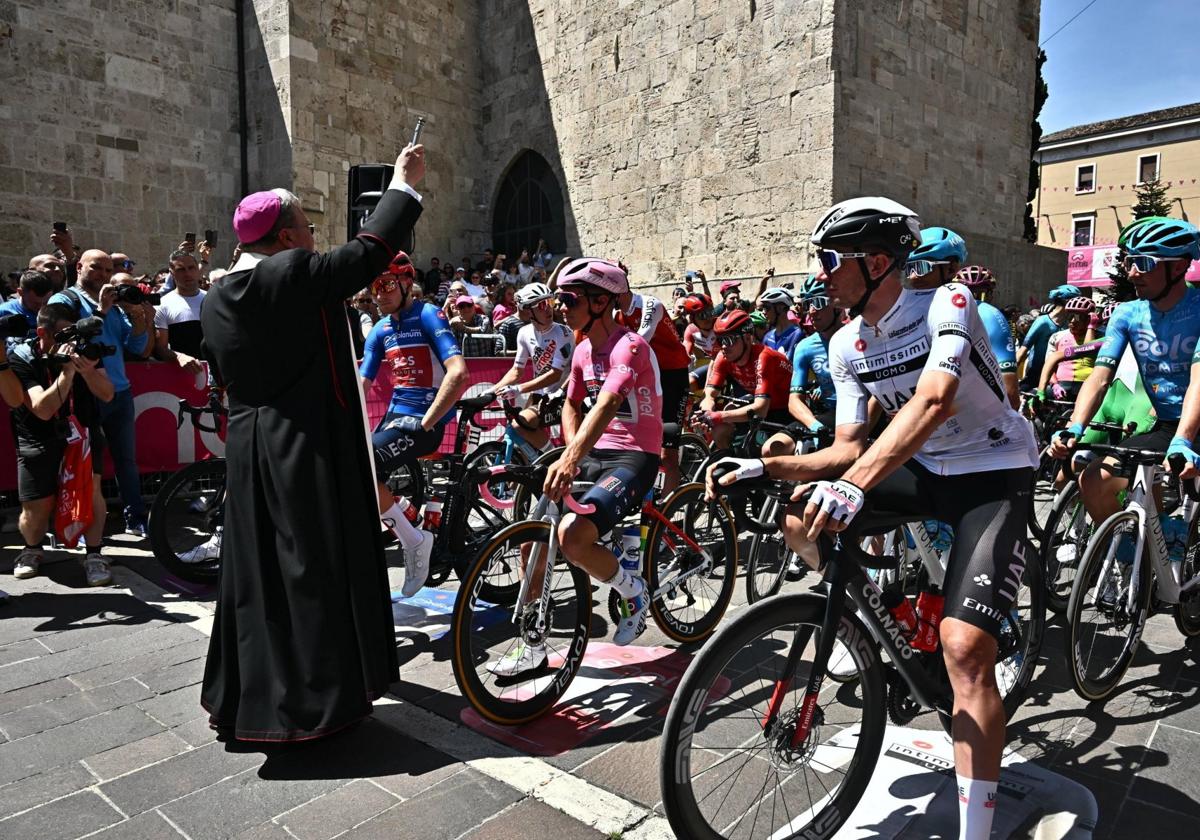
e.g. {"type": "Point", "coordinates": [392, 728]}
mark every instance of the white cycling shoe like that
{"type": "Point", "coordinates": [634, 624]}
{"type": "Point", "coordinates": [208, 550]}
{"type": "Point", "coordinates": [416, 565]}
{"type": "Point", "coordinates": [525, 657]}
{"type": "Point", "coordinates": [841, 663]}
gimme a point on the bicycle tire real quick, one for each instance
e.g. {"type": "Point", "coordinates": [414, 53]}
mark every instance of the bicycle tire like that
{"type": "Point", "coordinates": [767, 560]}
{"type": "Point", "coordinates": [409, 481]}
{"type": "Point", "coordinates": [686, 499]}
{"type": "Point", "coordinates": [1081, 592]}
{"type": "Point", "coordinates": [470, 634]}
{"type": "Point", "coordinates": [703, 687]}
{"type": "Point", "coordinates": [1067, 506]}
{"type": "Point", "coordinates": [523, 498]}
{"type": "Point", "coordinates": [1042, 494]}
{"type": "Point", "coordinates": [480, 520]}
{"type": "Point", "coordinates": [693, 451]}
{"type": "Point", "coordinates": [167, 518]}
{"type": "Point", "coordinates": [1187, 611]}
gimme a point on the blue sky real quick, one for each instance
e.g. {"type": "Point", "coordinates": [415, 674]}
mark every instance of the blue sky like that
{"type": "Point", "coordinates": [1119, 57]}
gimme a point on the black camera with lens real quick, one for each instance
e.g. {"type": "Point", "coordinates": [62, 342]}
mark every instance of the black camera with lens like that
{"type": "Point", "coordinates": [14, 326]}
{"type": "Point", "coordinates": [83, 334]}
{"type": "Point", "coordinates": [134, 295]}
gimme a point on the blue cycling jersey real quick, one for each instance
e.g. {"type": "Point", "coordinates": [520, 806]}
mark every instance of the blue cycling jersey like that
{"type": "Point", "coordinates": [1164, 345]}
{"type": "Point", "coordinates": [416, 345]}
{"type": "Point", "coordinates": [999, 336]}
{"type": "Point", "coordinates": [784, 341]}
{"type": "Point", "coordinates": [1036, 340]}
{"type": "Point", "coordinates": [810, 366]}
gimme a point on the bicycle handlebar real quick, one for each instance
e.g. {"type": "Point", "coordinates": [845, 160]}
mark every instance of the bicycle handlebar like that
{"type": "Point", "coordinates": [197, 413]}
{"type": "Point", "coordinates": [485, 492]}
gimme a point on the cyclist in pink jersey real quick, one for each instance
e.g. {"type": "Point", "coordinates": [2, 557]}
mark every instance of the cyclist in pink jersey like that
{"type": "Point", "coordinates": [616, 445]}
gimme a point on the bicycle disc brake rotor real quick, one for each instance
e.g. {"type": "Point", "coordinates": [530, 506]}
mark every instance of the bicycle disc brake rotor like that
{"type": "Point", "coordinates": [781, 754]}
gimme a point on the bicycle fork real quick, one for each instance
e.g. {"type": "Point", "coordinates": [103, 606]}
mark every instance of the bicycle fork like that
{"type": "Point", "coordinates": [835, 579]}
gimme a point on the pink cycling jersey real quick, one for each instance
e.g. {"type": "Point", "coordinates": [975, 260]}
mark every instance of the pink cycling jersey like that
{"type": "Point", "coordinates": [625, 366]}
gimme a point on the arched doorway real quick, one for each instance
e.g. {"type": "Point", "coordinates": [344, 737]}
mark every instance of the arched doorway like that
{"type": "Point", "coordinates": [529, 206]}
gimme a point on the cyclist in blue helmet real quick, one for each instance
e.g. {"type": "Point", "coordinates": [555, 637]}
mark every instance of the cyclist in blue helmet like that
{"type": "Point", "coordinates": [1063, 293]}
{"type": "Point", "coordinates": [936, 260]}
{"type": "Point", "coordinates": [1054, 318]}
{"type": "Point", "coordinates": [1161, 328]}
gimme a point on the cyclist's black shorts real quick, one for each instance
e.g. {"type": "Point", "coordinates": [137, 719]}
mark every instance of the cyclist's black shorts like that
{"type": "Point", "coordinates": [399, 440]}
{"type": "Point", "coordinates": [989, 512]}
{"type": "Point", "coordinates": [1155, 440]}
{"type": "Point", "coordinates": [621, 478]}
{"type": "Point", "coordinates": [676, 391]}
{"type": "Point", "coordinates": [549, 409]}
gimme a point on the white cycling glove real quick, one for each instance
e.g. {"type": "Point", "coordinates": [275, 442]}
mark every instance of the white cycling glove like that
{"type": "Point", "coordinates": [742, 467]}
{"type": "Point", "coordinates": [840, 499]}
{"type": "Point", "coordinates": [508, 392]}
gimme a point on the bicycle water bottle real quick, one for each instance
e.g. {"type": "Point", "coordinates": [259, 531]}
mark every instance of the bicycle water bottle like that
{"type": "Point", "coordinates": [631, 549]}
{"type": "Point", "coordinates": [901, 610]}
{"type": "Point", "coordinates": [1175, 534]}
{"type": "Point", "coordinates": [406, 507]}
{"type": "Point", "coordinates": [929, 616]}
{"type": "Point", "coordinates": [433, 515]}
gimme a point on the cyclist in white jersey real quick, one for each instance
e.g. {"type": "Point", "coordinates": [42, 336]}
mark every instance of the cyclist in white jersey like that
{"type": "Point", "coordinates": [954, 449]}
{"type": "Point", "coordinates": [548, 346]}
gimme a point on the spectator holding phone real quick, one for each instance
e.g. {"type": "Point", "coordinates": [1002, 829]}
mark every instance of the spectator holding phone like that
{"type": "Point", "coordinates": [56, 382]}
{"type": "Point", "coordinates": [126, 328]}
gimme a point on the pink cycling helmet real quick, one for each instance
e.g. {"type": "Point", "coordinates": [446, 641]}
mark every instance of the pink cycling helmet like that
{"type": "Point", "coordinates": [976, 277]}
{"type": "Point", "coordinates": [1080, 304]}
{"type": "Point", "coordinates": [589, 271]}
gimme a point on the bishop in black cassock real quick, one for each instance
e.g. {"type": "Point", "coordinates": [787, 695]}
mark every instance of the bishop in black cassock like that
{"type": "Point", "coordinates": [303, 638]}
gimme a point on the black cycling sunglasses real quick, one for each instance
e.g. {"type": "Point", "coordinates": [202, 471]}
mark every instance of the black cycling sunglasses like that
{"type": "Point", "coordinates": [730, 340]}
{"type": "Point", "coordinates": [568, 299]}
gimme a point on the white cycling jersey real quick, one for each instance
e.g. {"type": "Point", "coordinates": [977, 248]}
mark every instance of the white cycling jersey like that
{"type": "Point", "coordinates": [934, 330]}
{"type": "Point", "coordinates": [547, 349]}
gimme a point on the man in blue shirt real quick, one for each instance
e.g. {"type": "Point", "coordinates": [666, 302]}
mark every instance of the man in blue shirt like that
{"type": "Point", "coordinates": [35, 288]}
{"type": "Point", "coordinates": [782, 334]}
{"type": "Point", "coordinates": [1033, 348]}
{"type": "Point", "coordinates": [93, 295]}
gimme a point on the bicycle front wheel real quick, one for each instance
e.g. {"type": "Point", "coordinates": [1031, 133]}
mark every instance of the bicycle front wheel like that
{"type": "Point", "coordinates": [1104, 628]}
{"type": "Point", "coordinates": [489, 640]}
{"type": "Point", "coordinates": [187, 519]}
{"type": "Point", "coordinates": [698, 588]}
{"type": "Point", "coordinates": [1064, 539]}
{"type": "Point", "coordinates": [724, 776]}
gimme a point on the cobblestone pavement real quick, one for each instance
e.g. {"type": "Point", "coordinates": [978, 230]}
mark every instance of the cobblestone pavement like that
{"type": "Point", "coordinates": [102, 735]}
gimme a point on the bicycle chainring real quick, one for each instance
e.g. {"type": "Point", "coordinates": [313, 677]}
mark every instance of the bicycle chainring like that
{"type": "Point", "coordinates": [901, 707]}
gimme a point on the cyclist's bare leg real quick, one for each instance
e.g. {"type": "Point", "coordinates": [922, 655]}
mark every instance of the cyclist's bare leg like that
{"type": "Point", "coordinates": [722, 434]}
{"type": "Point", "coordinates": [580, 544]}
{"type": "Point", "coordinates": [779, 444]}
{"type": "Point", "coordinates": [979, 722]}
{"type": "Point", "coordinates": [538, 576]}
{"type": "Point", "coordinates": [532, 430]}
{"type": "Point", "coordinates": [1099, 486]}
{"type": "Point", "coordinates": [793, 534]}
{"type": "Point", "coordinates": [386, 499]}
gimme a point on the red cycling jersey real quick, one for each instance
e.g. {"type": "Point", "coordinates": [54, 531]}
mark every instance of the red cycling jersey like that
{"type": "Point", "coordinates": [648, 318]}
{"type": "Point", "coordinates": [763, 372]}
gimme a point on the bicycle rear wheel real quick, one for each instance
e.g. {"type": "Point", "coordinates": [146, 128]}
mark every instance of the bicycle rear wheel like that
{"type": "Point", "coordinates": [485, 634]}
{"type": "Point", "coordinates": [186, 521]}
{"type": "Point", "coordinates": [1187, 611]}
{"type": "Point", "coordinates": [699, 589]}
{"type": "Point", "coordinates": [693, 450]}
{"type": "Point", "coordinates": [723, 776]}
{"type": "Point", "coordinates": [1103, 631]}
{"type": "Point", "coordinates": [1044, 493]}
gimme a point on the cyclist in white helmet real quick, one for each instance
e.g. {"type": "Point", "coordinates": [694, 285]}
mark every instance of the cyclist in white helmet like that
{"type": "Point", "coordinates": [546, 346]}
{"type": "Point", "coordinates": [782, 334]}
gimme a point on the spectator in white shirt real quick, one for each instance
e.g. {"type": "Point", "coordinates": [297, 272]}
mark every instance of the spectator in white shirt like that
{"type": "Point", "coordinates": [177, 318]}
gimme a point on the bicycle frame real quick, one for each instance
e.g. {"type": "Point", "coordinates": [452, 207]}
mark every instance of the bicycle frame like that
{"type": "Point", "coordinates": [1140, 500]}
{"type": "Point", "coordinates": [846, 577]}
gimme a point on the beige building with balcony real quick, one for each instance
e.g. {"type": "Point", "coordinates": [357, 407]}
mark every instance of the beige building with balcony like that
{"type": "Point", "coordinates": [1089, 173]}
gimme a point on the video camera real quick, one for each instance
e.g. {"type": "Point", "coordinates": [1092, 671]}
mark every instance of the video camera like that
{"type": "Point", "coordinates": [83, 334]}
{"type": "Point", "coordinates": [134, 295]}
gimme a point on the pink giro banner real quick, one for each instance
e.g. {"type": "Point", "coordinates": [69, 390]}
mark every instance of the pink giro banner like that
{"type": "Point", "coordinates": [1090, 266]}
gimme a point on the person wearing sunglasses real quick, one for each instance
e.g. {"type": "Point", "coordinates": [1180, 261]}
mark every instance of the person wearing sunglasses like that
{"type": "Point", "coordinates": [936, 260]}
{"type": "Point", "coordinates": [954, 450]}
{"type": "Point", "coordinates": [1061, 375]}
{"type": "Point", "coordinates": [429, 375]}
{"type": "Point", "coordinates": [303, 640]}
{"type": "Point", "coordinates": [547, 347]}
{"type": "Point", "coordinates": [1161, 328]}
{"type": "Point", "coordinates": [782, 334]}
{"type": "Point", "coordinates": [616, 445]}
{"type": "Point", "coordinates": [762, 372]}
{"type": "Point", "coordinates": [1053, 317]}
{"type": "Point", "coordinates": [813, 398]}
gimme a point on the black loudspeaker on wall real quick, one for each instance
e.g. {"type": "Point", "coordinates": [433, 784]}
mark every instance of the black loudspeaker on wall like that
{"type": "Point", "coordinates": [365, 186]}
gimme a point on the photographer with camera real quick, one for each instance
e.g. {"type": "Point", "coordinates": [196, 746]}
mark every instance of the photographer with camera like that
{"type": "Point", "coordinates": [60, 376]}
{"type": "Point", "coordinates": [126, 328]}
{"type": "Point", "coordinates": [35, 287]}
{"type": "Point", "coordinates": [177, 318]}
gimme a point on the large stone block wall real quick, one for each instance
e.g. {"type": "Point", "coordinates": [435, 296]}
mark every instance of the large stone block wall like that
{"type": "Point", "coordinates": [362, 71]}
{"type": "Point", "coordinates": [934, 105]}
{"type": "Point", "coordinates": [687, 134]}
{"type": "Point", "coordinates": [118, 117]}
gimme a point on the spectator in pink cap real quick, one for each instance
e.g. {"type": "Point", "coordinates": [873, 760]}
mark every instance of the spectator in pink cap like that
{"type": "Point", "coordinates": [731, 294]}
{"type": "Point", "coordinates": [467, 318]}
{"type": "Point", "coordinates": [303, 638]}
